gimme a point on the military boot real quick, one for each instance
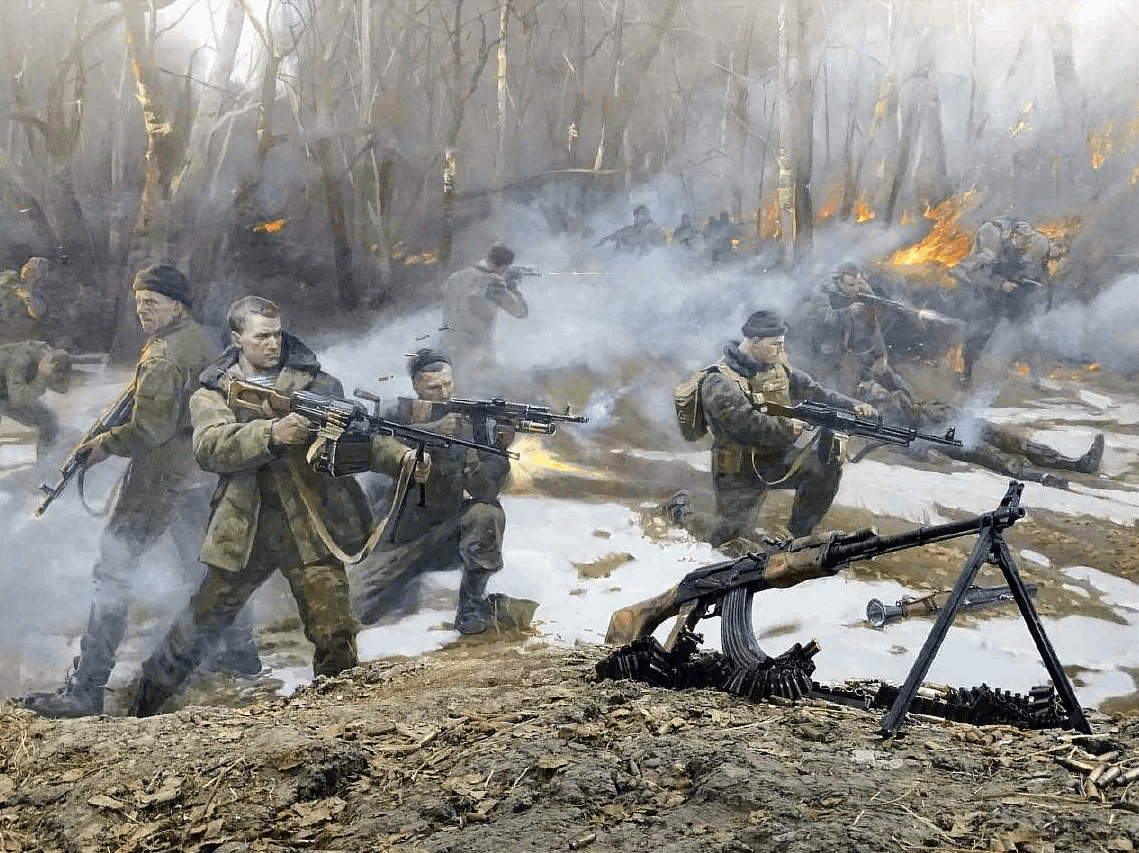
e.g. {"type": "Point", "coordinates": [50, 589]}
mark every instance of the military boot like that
{"type": "Point", "coordinates": [1089, 463]}
{"type": "Point", "coordinates": [474, 611]}
{"type": "Point", "coordinates": [80, 696]}
{"type": "Point", "coordinates": [148, 696]}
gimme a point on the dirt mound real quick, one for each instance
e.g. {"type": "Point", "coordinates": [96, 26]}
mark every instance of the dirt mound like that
{"type": "Point", "coordinates": [502, 747]}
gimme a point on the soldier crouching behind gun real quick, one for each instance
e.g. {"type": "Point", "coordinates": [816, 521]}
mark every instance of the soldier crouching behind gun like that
{"type": "Point", "coordinates": [261, 518]}
{"type": "Point", "coordinates": [461, 523]}
{"type": "Point", "coordinates": [752, 452]}
{"type": "Point", "coordinates": [163, 490]}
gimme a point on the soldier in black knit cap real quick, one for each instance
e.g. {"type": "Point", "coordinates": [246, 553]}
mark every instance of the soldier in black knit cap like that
{"type": "Point", "coordinates": [752, 452]}
{"type": "Point", "coordinates": [164, 491]}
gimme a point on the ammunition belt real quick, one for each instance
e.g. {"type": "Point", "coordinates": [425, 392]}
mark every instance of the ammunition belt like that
{"type": "Point", "coordinates": [789, 676]}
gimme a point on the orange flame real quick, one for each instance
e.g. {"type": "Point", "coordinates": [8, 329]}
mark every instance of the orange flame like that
{"type": "Point", "coordinates": [270, 227]}
{"type": "Point", "coordinates": [862, 211]}
{"type": "Point", "coordinates": [830, 205]}
{"type": "Point", "coordinates": [907, 217]}
{"type": "Point", "coordinates": [1100, 144]}
{"type": "Point", "coordinates": [769, 228]}
{"type": "Point", "coordinates": [1061, 230]}
{"type": "Point", "coordinates": [946, 243]}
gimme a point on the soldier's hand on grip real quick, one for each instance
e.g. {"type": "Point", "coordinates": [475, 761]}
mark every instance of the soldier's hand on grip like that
{"type": "Point", "coordinates": [292, 429]}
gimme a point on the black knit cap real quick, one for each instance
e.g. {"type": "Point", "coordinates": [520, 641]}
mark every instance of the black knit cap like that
{"type": "Point", "coordinates": [764, 324]}
{"type": "Point", "coordinates": [164, 279]}
{"type": "Point", "coordinates": [424, 358]}
{"type": "Point", "coordinates": [500, 256]}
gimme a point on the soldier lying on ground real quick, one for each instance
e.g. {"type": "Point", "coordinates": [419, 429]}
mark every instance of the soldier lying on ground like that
{"type": "Point", "coordinates": [460, 525]}
{"type": "Point", "coordinates": [261, 518]}
{"type": "Point", "coordinates": [752, 452]}
{"type": "Point", "coordinates": [993, 447]}
{"type": "Point", "coordinates": [163, 491]}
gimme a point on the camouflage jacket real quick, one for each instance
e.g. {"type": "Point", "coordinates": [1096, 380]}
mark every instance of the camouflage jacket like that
{"type": "Point", "coordinates": [20, 382]}
{"type": "Point", "coordinates": [157, 436]}
{"type": "Point", "coordinates": [235, 445]}
{"type": "Point", "coordinates": [733, 414]}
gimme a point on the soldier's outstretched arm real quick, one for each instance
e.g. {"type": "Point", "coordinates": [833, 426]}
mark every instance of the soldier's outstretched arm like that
{"type": "Point", "coordinates": [806, 387]}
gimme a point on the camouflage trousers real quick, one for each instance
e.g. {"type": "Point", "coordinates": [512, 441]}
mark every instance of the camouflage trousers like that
{"type": "Point", "coordinates": [740, 496]}
{"type": "Point", "coordinates": [320, 591]}
{"type": "Point", "coordinates": [471, 539]}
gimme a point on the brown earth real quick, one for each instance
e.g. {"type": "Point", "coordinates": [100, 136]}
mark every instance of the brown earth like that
{"type": "Point", "coordinates": [488, 747]}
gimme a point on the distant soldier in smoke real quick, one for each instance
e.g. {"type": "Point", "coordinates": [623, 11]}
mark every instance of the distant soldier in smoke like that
{"type": "Point", "coordinates": [262, 516]}
{"type": "Point", "coordinates": [27, 370]}
{"type": "Point", "coordinates": [721, 236]}
{"type": "Point", "coordinates": [846, 335]}
{"type": "Point", "coordinates": [472, 298]}
{"type": "Point", "coordinates": [753, 452]}
{"type": "Point", "coordinates": [164, 490]}
{"type": "Point", "coordinates": [461, 524]}
{"type": "Point", "coordinates": [640, 238]}
{"type": "Point", "coordinates": [685, 234]}
{"type": "Point", "coordinates": [1008, 277]}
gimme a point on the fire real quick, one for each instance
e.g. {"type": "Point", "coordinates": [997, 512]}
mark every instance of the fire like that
{"type": "Point", "coordinates": [946, 243]}
{"type": "Point", "coordinates": [1061, 230]}
{"type": "Point", "coordinates": [270, 227]}
{"type": "Point", "coordinates": [534, 460]}
{"type": "Point", "coordinates": [1100, 144]}
{"type": "Point", "coordinates": [862, 211]}
{"type": "Point", "coordinates": [769, 224]}
{"type": "Point", "coordinates": [830, 205]}
{"type": "Point", "coordinates": [907, 217]}
{"type": "Point", "coordinates": [1022, 123]}
{"type": "Point", "coordinates": [399, 254]}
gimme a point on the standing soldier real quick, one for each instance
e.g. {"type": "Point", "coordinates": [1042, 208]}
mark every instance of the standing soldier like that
{"type": "Point", "coordinates": [27, 369]}
{"type": "Point", "coordinates": [1007, 271]}
{"type": "Point", "coordinates": [753, 452]}
{"type": "Point", "coordinates": [263, 514]}
{"type": "Point", "coordinates": [641, 237]}
{"type": "Point", "coordinates": [163, 490]}
{"type": "Point", "coordinates": [472, 298]}
{"type": "Point", "coordinates": [461, 523]}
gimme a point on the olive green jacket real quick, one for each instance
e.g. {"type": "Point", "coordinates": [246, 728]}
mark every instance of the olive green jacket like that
{"type": "Point", "coordinates": [235, 445]}
{"type": "Point", "coordinates": [157, 437]}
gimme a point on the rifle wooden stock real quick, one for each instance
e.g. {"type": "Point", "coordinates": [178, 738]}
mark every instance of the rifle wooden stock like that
{"type": "Point", "coordinates": [642, 618]}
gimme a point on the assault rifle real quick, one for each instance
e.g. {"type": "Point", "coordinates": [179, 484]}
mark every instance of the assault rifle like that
{"type": "Point", "coordinates": [922, 314]}
{"type": "Point", "coordinates": [340, 422]}
{"type": "Point", "coordinates": [726, 589]}
{"type": "Point", "coordinates": [522, 417]}
{"type": "Point", "coordinates": [75, 465]}
{"type": "Point", "coordinates": [879, 614]}
{"type": "Point", "coordinates": [839, 420]}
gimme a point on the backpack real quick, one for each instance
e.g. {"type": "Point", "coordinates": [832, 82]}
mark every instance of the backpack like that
{"type": "Point", "coordinates": [689, 407]}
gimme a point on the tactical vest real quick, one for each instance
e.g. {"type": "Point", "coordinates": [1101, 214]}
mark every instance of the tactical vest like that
{"type": "Point", "coordinates": [771, 384]}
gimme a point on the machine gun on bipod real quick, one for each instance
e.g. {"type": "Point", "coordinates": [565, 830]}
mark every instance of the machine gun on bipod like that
{"type": "Point", "coordinates": [726, 589]}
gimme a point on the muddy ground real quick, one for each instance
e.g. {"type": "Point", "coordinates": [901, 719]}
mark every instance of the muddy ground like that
{"type": "Point", "coordinates": [514, 746]}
